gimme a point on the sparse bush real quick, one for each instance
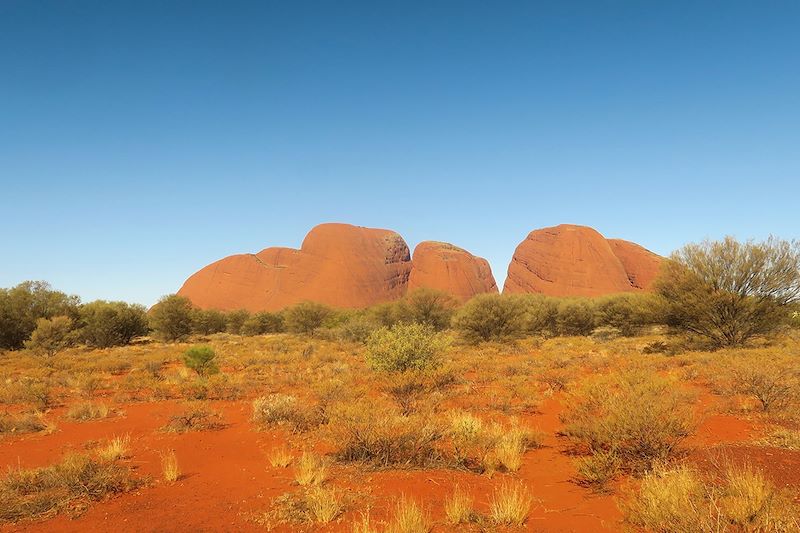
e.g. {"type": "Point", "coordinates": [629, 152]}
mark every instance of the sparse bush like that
{"type": "Point", "coordinates": [277, 409]}
{"type": "Point", "coordinates": [51, 335]}
{"type": "Point", "coordinates": [195, 418]}
{"type": "Point", "coordinates": [599, 469]}
{"type": "Point", "coordinates": [15, 424]}
{"type": "Point", "coordinates": [728, 292]}
{"type": "Point", "coordinates": [27, 494]}
{"type": "Point", "coordinates": [637, 416]}
{"type": "Point", "coordinates": [171, 318]}
{"type": "Point", "coordinates": [107, 324]}
{"type": "Point", "coordinates": [404, 347]}
{"type": "Point", "coordinates": [775, 383]}
{"type": "Point", "coordinates": [201, 359]}
{"type": "Point", "coordinates": [306, 317]}
{"type": "Point", "coordinates": [491, 317]}
{"type": "Point", "coordinates": [84, 411]}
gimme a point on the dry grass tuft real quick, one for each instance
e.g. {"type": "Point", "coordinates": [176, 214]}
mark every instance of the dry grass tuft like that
{"type": "Point", "coordinates": [169, 467]}
{"type": "Point", "coordinates": [310, 470]}
{"type": "Point", "coordinates": [510, 504]}
{"type": "Point", "coordinates": [408, 517]}
{"type": "Point", "coordinates": [280, 457]}
{"type": "Point", "coordinates": [87, 410]}
{"type": "Point", "coordinates": [117, 448]}
{"type": "Point", "coordinates": [14, 424]}
{"type": "Point", "coordinates": [459, 508]}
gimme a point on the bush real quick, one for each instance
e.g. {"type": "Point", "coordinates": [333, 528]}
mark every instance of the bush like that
{"type": "Point", "coordinates": [51, 335]}
{"type": "Point", "coordinates": [541, 314]}
{"type": "Point", "coordinates": [404, 347]}
{"type": "Point", "coordinates": [277, 409]}
{"type": "Point", "coordinates": [625, 312]}
{"type": "Point", "coordinates": [728, 292]}
{"type": "Point", "coordinates": [639, 417]}
{"type": "Point", "coordinates": [201, 359]}
{"type": "Point", "coordinates": [575, 317]}
{"type": "Point", "coordinates": [235, 320]}
{"type": "Point", "coordinates": [775, 383]}
{"type": "Point", "coordinates": [262, 323]}
{"type": "Point", "coordinates": [208, 321]}
{"type": "Point", "coordinates": [488, 317]}
{"type": "Point", "coordinates": [428, 306]}
{"type": "Point", "coordinates": [305, 317]}
{"type": "Point", "coordinates": [23, 305]}
{"type": "Point", "coordinates": [171, 318]}
{"type": "Point", "coordinates": [112, 323]}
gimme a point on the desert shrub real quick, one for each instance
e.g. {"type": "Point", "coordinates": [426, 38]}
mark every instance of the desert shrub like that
{"type": "Point", "coordinates": [84, 411]}
{"type": "Point", "coordinates": [774, 382]}
{"type": "Point", "coordinates": [316, 504]}
{"type": "Point", "coordinates": [208, 321]}
{"type": "Point", "coordinates": [77, 479]}
{"type": "Point", "coordinates": [598, 470]}
{"type": "Point", "coordinates": [235, 320]}
{"type": "Point", "coordinates": [196, 417]}
{"type": "Point", "coordinates": [201, 359]}
{"type": "Point", "coordinates": [679, 499]}
{"type": "Point", "coordinates": [357, 329]}
{"type": "Point", "coordinates": [488, 448]}
{"type": "Point", "coordinates": [305, 317]}
{"type": "Point", "coordinates": [278, 409]}
{"type": "Point", "coordinates": [107, 324]}
{"type": "Point", "coordinates": [382, 437]}
{"type": "Point", "coordinates": [575, 317]}
{"type": "Point", "coordinates": [728, 292]}
{"type": "Point", "coordinates": [310, 470]}
{"type": "Point", "coordinates": [783, 438]}
{"type": "Point", "coordinates": [459, 508]}
{"type": "Point", "coordinates": [541, 314]}
{"type": "Point", "coordinates": [385, 314]}
{"type": "Point", "coordinates": [21, 306]}
{"type": "Point", "coordinates": [171, 318]}
{"type": "Point", "coordinates": [262, 323]}
{"type": "Point", "coordinates": [638, 416]}
{"type": "Point", "coordinates": [405, 347]}
{"type": "Point", "coordinates": [51, 335]}
{"type": "Point", "coordinates": [15, 424]}
{"type": "Point", "coordinates": [625, 312]}
{"type": "Point", "coordinates": [408, 517]}
{"type": "Point", "coordinates": [39, 393]}
{"type": "Point", "coordinates": [427, 306]}
{"type": "Point", "coordinates": [489, 317]}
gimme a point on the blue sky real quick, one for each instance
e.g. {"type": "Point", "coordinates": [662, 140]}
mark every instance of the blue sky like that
{"type": "Point", "coordinates": [141, 140]}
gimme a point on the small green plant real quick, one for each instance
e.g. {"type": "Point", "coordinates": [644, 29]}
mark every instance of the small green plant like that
{"type": "Point", "coordinates": [201, 359]}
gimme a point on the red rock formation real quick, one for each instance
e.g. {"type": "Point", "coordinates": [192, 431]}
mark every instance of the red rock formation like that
{"type": "Point", "coordinates": [569, 260]}
{"type": "Point", "coordinates": [337, 264]}
{"type": "Point", "coordinates": [442, 266]}
{"type": "Point", "coordinates": [641, 264]}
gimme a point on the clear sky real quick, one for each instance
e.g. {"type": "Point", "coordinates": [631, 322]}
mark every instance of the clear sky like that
{"type": "Point", "coordinates": [141, 140]}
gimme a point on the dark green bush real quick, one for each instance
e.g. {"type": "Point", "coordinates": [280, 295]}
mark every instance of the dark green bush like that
{"type": "Point", "coordinates": [208, 321]}
{"type": "Point", "coordinates": [52, 335]}
{"type": "Point", "coordinates": [575, 317]}
{"type": "Point", "coordinates": [235, 321]}
{"type": "Point", "coordinates": [405, 347]}
{"type": "Point", "coordinates": [263, 323]}
{"type": "Point", "coordinates": [23, 305]}
{"type": "Point", "coordinates": [112, 323]}
{"type": "Point", "coordinates": [171, 318]}
{"type": "Point", "coordinates": [627, 312]}
{"type": "Point", "coordinates": [427, 306]}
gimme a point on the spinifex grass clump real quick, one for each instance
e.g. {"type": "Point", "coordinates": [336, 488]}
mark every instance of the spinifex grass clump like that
{"type": "Point", "coordinates": [67, 485]}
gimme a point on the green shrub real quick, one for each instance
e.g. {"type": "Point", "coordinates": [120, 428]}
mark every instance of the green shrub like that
{"type": "Point", "coordinates": [405, 347]}
{"type": "Point", "coordinates": [262, 323]}
{"type": "Point", "coordinates": [306, 317]}
{"type": "Point", "coordinates": [235, 320]}
{"type": "Point", "coordinates": [201, 359]}
{"type": "Point", "coordinates": [428, 306]}
{"type": "Point", "coordinates": [626, 312]}
{"type": "Point", "coordinates": [489, 317]}
{"type": "Point", "coordinates": [575, 317]}
{"type": "Point", "coordinates": [171, 318]}
{"type": "Point", "coordinates": [112, 323]}
{"type": "Point", "coordinates": [208, 321]}
{"type": "Point", "coordinates": [541, 314]}
{"type": "Point", "coordinates": [51, 335]}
